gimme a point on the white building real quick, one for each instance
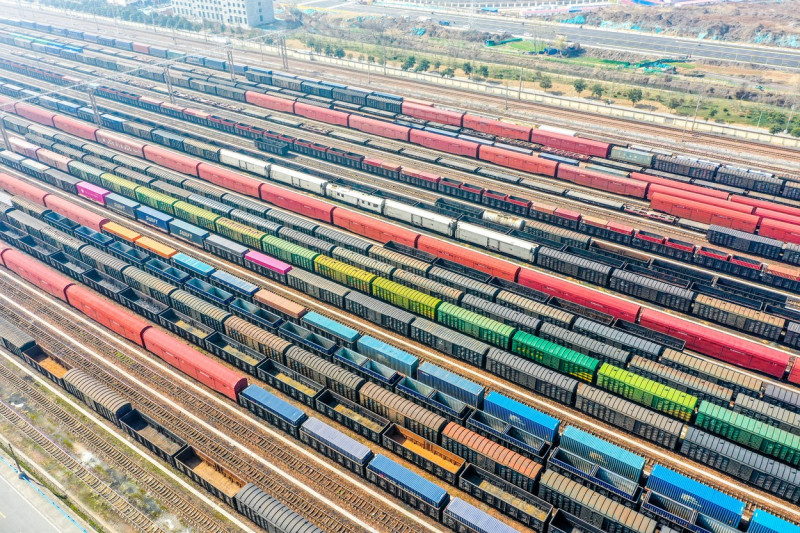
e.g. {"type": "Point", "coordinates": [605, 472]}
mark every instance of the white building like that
{"type": "Point", "coordinates": [232, 12]}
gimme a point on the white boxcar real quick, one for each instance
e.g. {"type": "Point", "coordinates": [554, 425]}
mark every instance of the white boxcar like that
{"type": "Point", "coordinates": [419, 217]}
{"type": "Point", "coordinates": [503, 218]}
{"type": "Point", "coordinates": [301, 180]}
{"type": "Point", "coordinates": [496, 241]}
{"type": "Point", "coordinates": [354, 197]}
{"type": "Point", "coordinates": [244, 162]}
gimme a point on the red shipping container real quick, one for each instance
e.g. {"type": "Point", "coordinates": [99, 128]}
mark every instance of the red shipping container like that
{"type": "Point", "coordinates": [20, 188]}
{"type": "Point", "coordinates": [36, 114]}
{"type": "Point", "coordinates": [719, 345]}
{"type": "Point", "coordinates": [776, 215]}
{"type": "Point", "coordinates": [107, 314]}
{"type": "Point", "coordinates": [569, 143]}
{"type": "Point", "coordinates": [443, 143]}
{"type": "Point", "coordinates": [703, 198]}
{"type": "Point", "coordinates": [602, 181]}
{"type": "Point", "coordinates": [116, 141]}
{"type": "Point", "coordinates": [141, 48]}
{"type": "Point", "coordinates": [701, 212]}
{"type": "Point", "coordinates": [52, 159]}
{"type": "Point", "coordinates": [794, 375]}
{"type": "Point", "coordinates": [672, 184]}
{"type": "Point", "coordinates": [28, 268]}
{"type": "Point", "coordinates": [75, 127]}
{"type": "Point", "coordinates": [620, 228]}
{"type": "Point", "coordinates": [229, 179]}
{"type": "Point", "coordinates": [171, 160]}
{"type": "Point", "coordinates": [269, 102]}
{"type": "Point", "coordinates": [76, 213]}
{"type": "Point", "coordinates": [580, 295]}
{"type": "Point", "coordinates": [322, 114]}
{"type": "Point", "coordinates": [509, 159]}
{"type": "Point", "coordinates": [23, 147]}
{"type": "Point", "coordinates": [373, 228]}
{"type": "Point", "coordinates": [442, 116]}
{"type": "Point", "coordinates": [297, 202]}
{"type": "Point", "coordinates": [207, 371]}
{"type": "Point", "coordinates": [780, 208]}
{"type": "Point", "coordinates": [783, 231]}
{"type": "Point", "coordinates": [469, 258]}
{"type": "Point", "coordinates": [378, 127]}
{"type": "Point", "coordinates": [497, 127]}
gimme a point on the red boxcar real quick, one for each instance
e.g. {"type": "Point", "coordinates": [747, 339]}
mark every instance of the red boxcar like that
{"type": "Point", "coordinates": [443, 143]}
{"type": "Point", "coordinates": [229, 179]}
{"type": "Point", "coordinates": [36, 114]}
{"type": "Point", "coordinates": [717, 344]}
{"type": "Point", "coordinates": [373, 228]}
{"type": "Point", "coordinates": [21, 188]}
{"type": "Point", "coordinates": [45, 278]}
{"type": "Point", "coordinates": [602, 181]}
{"type": "Point", "coordinates": [469, 258]}
{"type": "Point", "coordinates": [701, 198]}
{"type": "Point", "coordinates": [497, 127]}
{"type": "Point", "coordinates": [671, 184]}
{"type": "Point", "coordinates": [780, 208]}
{"type": "Point", "coordinates": [580, 295]}
{"type": "Point", "coordinates": [296, 202]}
{"type": "Point", "coordinates": [207, 371]}
{"type": "Point", "coordinates": [783, 231]}
{"type": "Point", "coordinates": [794, 375]}
{"type": "Point", "coordinates": [171, 160]}
{"type": "Point", "coordinates": [762, 214]}
{"type": "Point", "coordinates": [107, 314]}
{"type": "Point", "coordinates": [21, 146]}
{"type": "Point", "coordinates": [527, 163]}
{"type": "Point", "coordinates": [378, 127]}
{"type": "Point", "coordinates": [702, 212]}
{"type": "Point", "coordinates": [569, 143]}
{"type": "Point", "coordinates": [76, 213]}
{"type": "Point", "coordinates": [270, 102]}
{"type": "Point", "coordinates": [322, 114]}
{"type": "Point", "coordinates": [53, 159]}
{"type": "Point", "coordinates": [75, 127]}
{"type": "Point", "coordinates": [442, 116]}
{"type": "Point", "coordinates": [141, 48]}
{"type": "Point", "coordinates": [118, 142]}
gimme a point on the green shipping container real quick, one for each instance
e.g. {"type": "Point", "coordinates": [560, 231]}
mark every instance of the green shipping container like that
{"type": "Point", "coordinates": [289, 252]}
{"type": "Point", "coordinates": [86, 172]}
{"type": "Point", "coordinates": [409, 299]}
{"type": "Point", "coordinates": [554, 356]}
{"type": "Point", "coordinates": [240, 233]}
{"type": "Point", "coordinates": [646, 392]}
{"type": "Point", "coordinates": [119, 185]}
{"type": "Point", "coordinates": [749, 432]}
{"type": "Point", "coordinates": [156, 200]}
{"type": "Point", "coordinates": [196, 215]}
{"type": "Point", "coordinates": [475, 325]}
{"type": "Point", "coordinates": [631, 156]}
{"type": "Point", "coordinates": [335, 270]}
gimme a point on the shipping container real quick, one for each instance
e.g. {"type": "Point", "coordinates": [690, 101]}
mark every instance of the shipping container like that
{"type": "Point", "coordinates": [411, 488]}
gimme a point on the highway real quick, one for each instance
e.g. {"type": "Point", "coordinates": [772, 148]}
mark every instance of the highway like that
{"type": "Point", "coordinates": [650, 44]}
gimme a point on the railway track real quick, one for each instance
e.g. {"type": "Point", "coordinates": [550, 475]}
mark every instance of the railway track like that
{"type": "Point", "coordinates": [568, 415]}
{"type": "Point", "coordinates": [226, 454]}
{"type": "Point", "coordinates": [126, 510]}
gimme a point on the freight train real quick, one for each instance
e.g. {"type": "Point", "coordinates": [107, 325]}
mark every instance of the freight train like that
{"type": "Point", "coordinates": [438, 128]}
{"type": "Point", "coordinates": [430, 425]}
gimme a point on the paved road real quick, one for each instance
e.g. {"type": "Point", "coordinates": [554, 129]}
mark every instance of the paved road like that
{"type": "Point", "coordinates": [650, 44]}
{"type": "Point", "coordinates": [25, 507]}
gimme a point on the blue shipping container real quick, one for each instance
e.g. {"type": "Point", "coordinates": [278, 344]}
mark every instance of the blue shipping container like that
{"type": "Point", "coordinates": [408, 481]}
{"type": "Point", "coordinates": [274, 405]}
{"type": "Point", "coordinates": [603, 453]}
{"type": "Point", "coordinates": [522, 416]}
{"type": "Point", "coordinates": [763, 522]}
{"type": "Point", "coordinates": [388, 355]}
{"type": "Point", "coordinates": [194, 265]}
{"type": "Point", "coordinates": [331, 326]}
{"type": "Point", "coordinates": [188, 232]}
{"type": "Point", "coordinates": [122, 205]}
{"type": "Point", "coordinates": [237, 284]}
{"type": "Point", "coordinates": [465, 514]}
{"type": "Point", "coordinates": [93, 237]}
{"type": "Point", "coordinates": [451, 384]}
{"type": "Point", "coordinates": [337, 440]}
{"type": "Point", "coordinates": [694, 494]}
{"type": "Point", "coordinates": [148, 215]}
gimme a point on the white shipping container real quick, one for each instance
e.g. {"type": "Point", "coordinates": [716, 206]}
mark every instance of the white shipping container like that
{"type": "Point", "coordinates": [297, 179]}
{"type": "Point", "coordinates": [496, 241]}
{"type": "Point", "coordinates": [353, 197]}
{"type": "Point", "coordinates": [419, 217]}
{"type": "Point", "coordinates": [244, 162]}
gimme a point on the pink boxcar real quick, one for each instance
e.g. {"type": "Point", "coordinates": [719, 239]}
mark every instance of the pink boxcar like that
{"type": "Point", "coordinates": [268, 266]}
{"type": "Point", "coordinates": [92, 192]}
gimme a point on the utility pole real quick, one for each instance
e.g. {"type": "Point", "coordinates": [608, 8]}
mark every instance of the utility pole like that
{"type": "Point", "coordinates": [521, 76]}
{"type": "Point", "coordinates": [789, 122]}
{"type": "Point", "coordinates": [93, 101]}
{"type": "Point", "coordinates": [169, 85]}
{"type": "Point", "coordinates": [696, 109]}
{"type": "Point", "coordinates": [283, 52]}
{"type": "Point", "coordinates": [229, 53]}
{"type": "Point", "coordinates": [3, 131]}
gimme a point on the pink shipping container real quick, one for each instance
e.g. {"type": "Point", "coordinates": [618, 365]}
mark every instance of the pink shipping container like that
{"type": "Point", "coordinates": [267, 263]}
{"type": "Point", "coordinates": [92, 192]}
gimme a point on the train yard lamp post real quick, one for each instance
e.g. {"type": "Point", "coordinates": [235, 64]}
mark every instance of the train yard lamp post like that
{"type": "Point", "coordinates": [229, 54]}
{"type": "Point", "coordinates": [3, 132]}
{"type": "Point", "coordinates": [169, 85]}
{"type": "Point", "coordinates": [90, 89]}
{"type": "Point", "coordinates": [789, 122]}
